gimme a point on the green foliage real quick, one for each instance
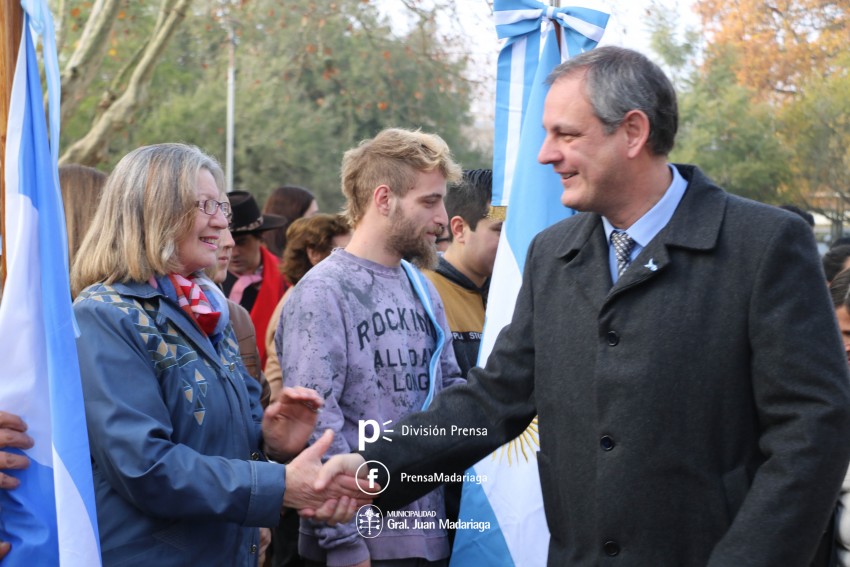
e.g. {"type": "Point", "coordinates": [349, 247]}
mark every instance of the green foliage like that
{"type": "Point", "coordinates": [781, 70]}
{"type": "Point", "coordinates": [663, 26]}
{"type": "Point", "coordinates": [132, 24]}
{"type": "Point", "coordinates": [816, 125]}
{"type": "Point", "coordinates": [734, 142]}
{"type": "Point", "coordinates": [723, 127]}
{"type": "Point", "coordinates": [313, 79]}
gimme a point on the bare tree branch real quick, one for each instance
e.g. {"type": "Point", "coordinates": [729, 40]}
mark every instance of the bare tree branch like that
{"type": "Point", "coordinates": [118, 110]}
{"type": "Point", "coordinates": [86, 59]}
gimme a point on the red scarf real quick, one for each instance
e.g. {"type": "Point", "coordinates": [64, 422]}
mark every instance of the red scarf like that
{"type": "Point", "coordinates": [192, 300]}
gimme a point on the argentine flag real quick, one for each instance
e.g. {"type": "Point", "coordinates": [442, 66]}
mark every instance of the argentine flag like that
{"type": "Point", "coordinates": [50, 518]}
{"type": "Point", "coordinates": [510, 499]}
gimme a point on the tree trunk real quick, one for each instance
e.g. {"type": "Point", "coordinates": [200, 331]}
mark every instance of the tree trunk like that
{"type": "Point", "coordinates": [87, 57]}
{"type": "Point", "coordinates": [117, 111]}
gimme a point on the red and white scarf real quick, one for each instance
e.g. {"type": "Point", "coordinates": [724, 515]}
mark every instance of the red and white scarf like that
{"type": "Point", "coordinates": [192, 300]}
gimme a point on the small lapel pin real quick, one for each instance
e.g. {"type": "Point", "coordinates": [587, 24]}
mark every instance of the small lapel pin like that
{"type": "Point", "coordinates": [651, 265]}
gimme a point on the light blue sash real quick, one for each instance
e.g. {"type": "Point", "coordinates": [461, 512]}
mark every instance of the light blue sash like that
{"type": "Point", "coordinates": [420, 287]}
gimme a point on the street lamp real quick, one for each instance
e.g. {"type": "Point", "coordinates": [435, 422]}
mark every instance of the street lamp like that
{"type": "Point", "coordinates": [230, 26]}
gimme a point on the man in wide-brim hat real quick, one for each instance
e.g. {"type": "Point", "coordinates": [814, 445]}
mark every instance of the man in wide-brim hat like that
{"type": "Point", "coordinates": [253, 280]}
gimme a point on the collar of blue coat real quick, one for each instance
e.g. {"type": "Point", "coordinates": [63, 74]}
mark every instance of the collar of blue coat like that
{"type": "Point", "coordinates": [695, 224]}
{"type": "Point", "coordinates": [170, 309]}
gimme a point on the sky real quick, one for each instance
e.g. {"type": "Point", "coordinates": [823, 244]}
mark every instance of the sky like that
{"type": "Point", "coordinates": [626, 27]}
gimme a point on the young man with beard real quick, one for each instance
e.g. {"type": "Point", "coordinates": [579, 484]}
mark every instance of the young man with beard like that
{"type": "Point", "coordinates": [357, 331]}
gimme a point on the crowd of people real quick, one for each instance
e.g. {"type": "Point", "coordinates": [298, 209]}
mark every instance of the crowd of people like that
{"type": "Point", "coordinates": [676, 343]}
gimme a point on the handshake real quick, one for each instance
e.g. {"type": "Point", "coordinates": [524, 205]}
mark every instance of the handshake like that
{"type": "Point", "coordinates": [329, 492]}
{"type": "Point", "coordinates": [326, 493]}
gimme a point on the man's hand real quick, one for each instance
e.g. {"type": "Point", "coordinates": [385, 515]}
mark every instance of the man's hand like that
{"type": "Point", "coordinates": [338, 499]}
{"type": "Point", "coordinates": [340, 471]}
{"type": "Point", "coordinates": [337, 465]}
{"type": "Point", "coordinates": [12, 434]}
{"type": "Point", "coordinates": [289, 421]}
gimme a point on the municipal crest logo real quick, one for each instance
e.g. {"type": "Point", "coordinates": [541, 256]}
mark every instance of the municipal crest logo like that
{"type": "Point", "coordinates": [370, 521]}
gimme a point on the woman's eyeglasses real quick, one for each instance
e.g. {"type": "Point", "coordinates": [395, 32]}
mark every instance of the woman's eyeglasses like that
{"type": "Point", "coordinates": [210, 207]}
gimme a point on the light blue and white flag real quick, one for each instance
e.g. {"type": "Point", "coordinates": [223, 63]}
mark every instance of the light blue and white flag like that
{"type": "Point", "coordinates": [50, 518]}
{"type": "Point", "coordinates": [510, 499]}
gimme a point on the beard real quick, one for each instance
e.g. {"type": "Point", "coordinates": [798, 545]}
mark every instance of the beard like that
{"type": "Point", "coordinates": [411, 242]}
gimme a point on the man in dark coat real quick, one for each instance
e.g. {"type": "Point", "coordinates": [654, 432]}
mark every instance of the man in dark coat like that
{"type": "Point", "coordinates": [676, 341]}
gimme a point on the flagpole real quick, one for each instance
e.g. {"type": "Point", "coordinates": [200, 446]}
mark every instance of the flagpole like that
{"type": "Point", "coordinates": [11, 24]}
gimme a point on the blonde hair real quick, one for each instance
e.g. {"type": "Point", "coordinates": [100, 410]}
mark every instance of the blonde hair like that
{"type": "Point", "coordinates": [81, 188]}
{"type": "Point", "coordinates": [148, 205]}
{"type": "Point", "coordinates": [394, 158]}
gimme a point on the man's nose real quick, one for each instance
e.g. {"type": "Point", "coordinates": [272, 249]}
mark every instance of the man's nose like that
{"type": "Point", "coordinates": [547, 153]}
{"type": "Point", "coordinates": [442, 217]}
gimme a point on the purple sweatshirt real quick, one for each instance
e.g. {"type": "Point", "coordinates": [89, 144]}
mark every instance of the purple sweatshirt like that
{"type": "Point", "coordinates": [355, 331]}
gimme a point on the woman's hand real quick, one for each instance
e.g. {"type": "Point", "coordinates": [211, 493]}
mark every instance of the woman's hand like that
{"type": "Point", "coordinates": [289, 421]}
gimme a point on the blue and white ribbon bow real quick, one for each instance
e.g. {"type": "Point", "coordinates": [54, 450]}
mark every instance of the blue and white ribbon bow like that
{"type": "Point", "coordinates": [522, 22]}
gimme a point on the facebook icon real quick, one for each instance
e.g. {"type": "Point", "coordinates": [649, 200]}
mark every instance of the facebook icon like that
{"type": "Point", "coordinates": [372, 477]}
{"type": "Point", "coordinates": [367, 481]}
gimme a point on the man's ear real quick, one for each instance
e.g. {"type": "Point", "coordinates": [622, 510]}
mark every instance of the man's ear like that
{"type": "Point", "coordinates": [456, 225]}
{"type": "Point", "coordinates": [382, 197]}
{"type": "Point", "coordinates": [636, 128]}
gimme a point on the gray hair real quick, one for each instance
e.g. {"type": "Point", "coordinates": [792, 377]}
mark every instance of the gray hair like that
{"type": "Point", "coordinates": [620, 80]}
{"type": "Point", "coordinates": [148, 205]}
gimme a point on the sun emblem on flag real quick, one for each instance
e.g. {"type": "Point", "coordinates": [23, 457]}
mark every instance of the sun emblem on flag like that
{"type": "Point", "coordinates": [526, 444]}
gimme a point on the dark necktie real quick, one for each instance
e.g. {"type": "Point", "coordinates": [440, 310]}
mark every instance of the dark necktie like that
{"type": "Point", "coordinates": [623, 245]}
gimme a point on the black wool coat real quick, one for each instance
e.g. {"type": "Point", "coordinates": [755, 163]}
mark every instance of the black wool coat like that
{"type": "Point", "coordinates": [695, 413]}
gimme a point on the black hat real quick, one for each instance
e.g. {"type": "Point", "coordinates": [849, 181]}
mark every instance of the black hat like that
{"type": "Point", "coordinates": [247, 217]}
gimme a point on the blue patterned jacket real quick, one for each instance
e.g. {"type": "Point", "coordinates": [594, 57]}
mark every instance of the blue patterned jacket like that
{"type": "Point", "coordinates": [174, 427]}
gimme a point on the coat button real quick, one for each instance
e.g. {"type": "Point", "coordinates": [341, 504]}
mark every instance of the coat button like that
{"type": "Point", "coordinates": [611, 548]}
{"type": "Point", "coordinates": [255, 456]}
{"type": "Point", "coordinates": [232, 366]}
{"type": "Point", "coordinates": [606, 443]}
{"type": "Point", "coordinates": [613, 338]}
{"type": "Point", "coordinates": [253, 549]}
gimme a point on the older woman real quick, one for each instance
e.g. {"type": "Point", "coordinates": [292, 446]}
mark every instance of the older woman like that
{"type": "Point", "coordinates": [177, 434]}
